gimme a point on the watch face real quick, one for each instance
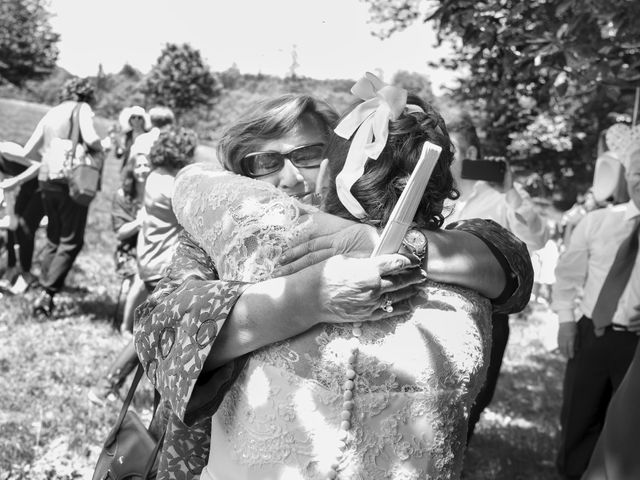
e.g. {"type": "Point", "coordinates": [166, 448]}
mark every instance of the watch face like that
{"type": "Point", "coordinates": [416, 239]}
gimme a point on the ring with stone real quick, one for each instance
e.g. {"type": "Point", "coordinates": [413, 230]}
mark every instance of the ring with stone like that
{"type": "Point", "coordinates": [387, 306]}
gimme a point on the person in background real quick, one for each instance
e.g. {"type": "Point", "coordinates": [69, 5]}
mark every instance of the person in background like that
{"type": "Point", "coordinates": [67, 219]}
{"type": "Point", "coordinates": [127, 216]}
{"type": "Point", "coordinates": [157, 237]}
{"type": "Point", "coordinates": [585, 204]}
{"type": "Point", "coordinates": [506, 203]}
{"type": "Point", "coordinates": [161, 118]}
{"type": "Point", "coordinates": [134, 121]}
{"type": "Point", "coordinates": [599, 267]}
{"type": "Point", "coordinates": [27, 212]}
{"type": "Point", "coordinates": [544, 264]}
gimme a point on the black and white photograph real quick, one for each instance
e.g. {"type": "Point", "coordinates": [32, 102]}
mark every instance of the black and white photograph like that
{"type": "Point", "coordinates": [309, 240]}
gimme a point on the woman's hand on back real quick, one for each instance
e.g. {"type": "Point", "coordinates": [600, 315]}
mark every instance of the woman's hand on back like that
{"type": "Point", "coordinates": [356, 240]}
{"type": "Point", "coordinates": [347, 289]}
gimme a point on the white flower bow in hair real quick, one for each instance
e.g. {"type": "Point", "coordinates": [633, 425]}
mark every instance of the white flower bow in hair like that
{"type": "Point", "coordinates": [370, 122]}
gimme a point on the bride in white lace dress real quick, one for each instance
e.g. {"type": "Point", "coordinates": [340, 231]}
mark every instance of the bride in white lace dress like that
{"type": "Point", "coordinates": [376, 400]}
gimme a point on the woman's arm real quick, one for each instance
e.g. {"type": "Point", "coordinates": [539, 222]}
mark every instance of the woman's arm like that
{"type": "Point", "coordinates": [126, 217]}
{"type": "Point", "coordinates": [128, 229]}
{"type": "Point", "coordinates": [177, 327]}
{"type": "Point", "coordinates": [17, 154]}
{"type": "Point", "coordinates": [192, 332]}
{"type": "Point", "coordinates": [476, 254]}
{"type": "Point", "coordinates": [25, 176]}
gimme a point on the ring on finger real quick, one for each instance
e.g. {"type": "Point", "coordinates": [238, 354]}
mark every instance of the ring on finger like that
{"type": "Point", "coordinates": [387, 306]}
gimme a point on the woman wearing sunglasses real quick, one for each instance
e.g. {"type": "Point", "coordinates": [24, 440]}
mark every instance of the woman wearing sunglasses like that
{"type": "Point", "coordinates": [197, 331]}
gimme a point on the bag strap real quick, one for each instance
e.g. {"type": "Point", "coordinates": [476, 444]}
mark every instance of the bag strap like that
{"type": "Point", "coordinates": [125, 406]}
{"type": "Point", "coordinates": [74, 135]}
{"type": "Point", "coordinates": [153, 456]}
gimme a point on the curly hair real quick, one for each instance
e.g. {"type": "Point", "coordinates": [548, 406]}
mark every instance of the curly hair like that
{"type": "Point", "coordinates": [174, 149]}
{"type": "Point", "coordinates": [77, 90]}
{"type": "Point", "coordinates": [269, 120]}
{"type": "Point", "coordinates": [383, 181]}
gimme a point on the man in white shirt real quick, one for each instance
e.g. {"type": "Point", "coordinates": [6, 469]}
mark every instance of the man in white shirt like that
{"type": "Point", "coordinates": [509, 205]}
{"type": "Point", "coordinates": [598, 355]}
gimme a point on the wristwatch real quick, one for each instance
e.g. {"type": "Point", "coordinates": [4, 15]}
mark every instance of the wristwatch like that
{"type": "Point", "coordinates": [417, 243]}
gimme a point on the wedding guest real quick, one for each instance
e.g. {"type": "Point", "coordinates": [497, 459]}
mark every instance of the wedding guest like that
{"type": "Point", "coordinates": [27, 213]}
{"type": "Point", "coordinates": [600, 266]}
{"type": "Point", "coordinates": [127, 216]}
{"type": "Point", "coordinates": [156, 239]}
{"type": "Point", "coordinates": [134, 122]}
{"type": "Point", "coordinates": [66, 218]}
{"type": "Point", "coordinates": [509, 205]}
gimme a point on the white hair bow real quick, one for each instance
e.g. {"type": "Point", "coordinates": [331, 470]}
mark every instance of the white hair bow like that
{"type": "Point", "coordinates": [370, 122]}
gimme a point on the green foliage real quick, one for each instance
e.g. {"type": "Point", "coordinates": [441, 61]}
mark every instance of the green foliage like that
{"type": "Point", "coordinates": [414, 83]}
{"type": "Point", "coordinates": [120, 90]}
{"type": "Point", "coordinates": [180, 80]}
{"type": "Point", "coordinates": [533, 62]}
{"type": "Point", "coordinates": [27, 42]}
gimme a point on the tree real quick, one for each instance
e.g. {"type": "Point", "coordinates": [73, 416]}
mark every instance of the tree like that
{"type": "Point", "coordinates": [546, 73]}
{"type": "Point", "coordinates": [414, 83]}
{"type": "Point", "coordinates": [28, 48]}
{"type": "Point", "coordinates": [180, 80]}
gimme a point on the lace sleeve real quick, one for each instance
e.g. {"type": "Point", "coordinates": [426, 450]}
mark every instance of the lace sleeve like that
{"type": "Point", "coordinates": [244, 225]}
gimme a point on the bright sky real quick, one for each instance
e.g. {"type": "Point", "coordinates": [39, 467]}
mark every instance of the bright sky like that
{"type": "Point", "coordinates": [332, 37]}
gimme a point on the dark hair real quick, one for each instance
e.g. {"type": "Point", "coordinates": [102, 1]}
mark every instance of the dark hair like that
{"type": "Point", "coordinates": [174, 148]}
{"type": "Point", "coordinates": [459, 122]}
{"type": "Point", "coordinates": [161, 117]}
{"type": "Point", "coordinates": [77, 90]}
{"type": "Point", "coordinates": [384, 179]}
{"type": "Point", "coordinates": [269, 120]}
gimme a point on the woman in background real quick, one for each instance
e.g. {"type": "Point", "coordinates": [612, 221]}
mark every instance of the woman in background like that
{"type": "Point", "coordinates": [126, 217]}
{"type": "Point", "coordinates": [134, 121]}
{"type": "Point", "coordinates": [26, 215]}
{"type": "Point", "coordinates": [156, 239]}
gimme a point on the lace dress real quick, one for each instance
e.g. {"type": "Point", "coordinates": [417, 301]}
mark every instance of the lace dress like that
{"type": "Point", "coordinates": [377, 400]}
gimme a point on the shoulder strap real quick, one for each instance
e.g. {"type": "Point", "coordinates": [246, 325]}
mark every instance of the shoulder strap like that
{"type": "Point", "coordinates": [125, 406]}
{"type": "Point", "coordinates": [152, 458]}
{"type": "Point", "coordinates": [74, 134]}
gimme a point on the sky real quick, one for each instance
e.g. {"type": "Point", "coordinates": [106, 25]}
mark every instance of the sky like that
{"type": "Point", "coordinates": [332, 38]}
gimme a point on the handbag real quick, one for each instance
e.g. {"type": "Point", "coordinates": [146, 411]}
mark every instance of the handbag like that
{"type": "Point", "coordinates": [82, 169]}
{"type": "Point", "coordinates": [130, 451]}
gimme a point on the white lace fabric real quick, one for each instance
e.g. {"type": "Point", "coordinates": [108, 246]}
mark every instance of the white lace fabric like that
{"type": "Point", "coordinates": [417, 376]}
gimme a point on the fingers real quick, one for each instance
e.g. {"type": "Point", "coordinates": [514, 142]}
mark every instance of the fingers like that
{"type": "Point", "coordinates": [399, 296]}
{"type": "Point", "coordinates": [302, 263]}
{"type": "Point", "coordinates": [306, 248]}
{"type": "Point", "coordinates": [391, 283]}
{"type": "Point", "coordinates": [403, 307]}
{"type": "Point", "coordinates": [392, 263]}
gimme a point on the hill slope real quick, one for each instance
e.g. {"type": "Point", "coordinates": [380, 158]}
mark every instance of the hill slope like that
{"type": "Point", "coordinates": [18, 119]}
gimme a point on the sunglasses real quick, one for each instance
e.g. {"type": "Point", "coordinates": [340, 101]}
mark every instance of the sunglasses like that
{"type": "Point", "coordinates": [259, 164]}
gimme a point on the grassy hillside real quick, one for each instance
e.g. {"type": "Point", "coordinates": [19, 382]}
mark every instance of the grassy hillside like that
{"type": "Point", "coordinates": [49, 429]}
{"type": "Point", "coordinates": [18, 118]}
